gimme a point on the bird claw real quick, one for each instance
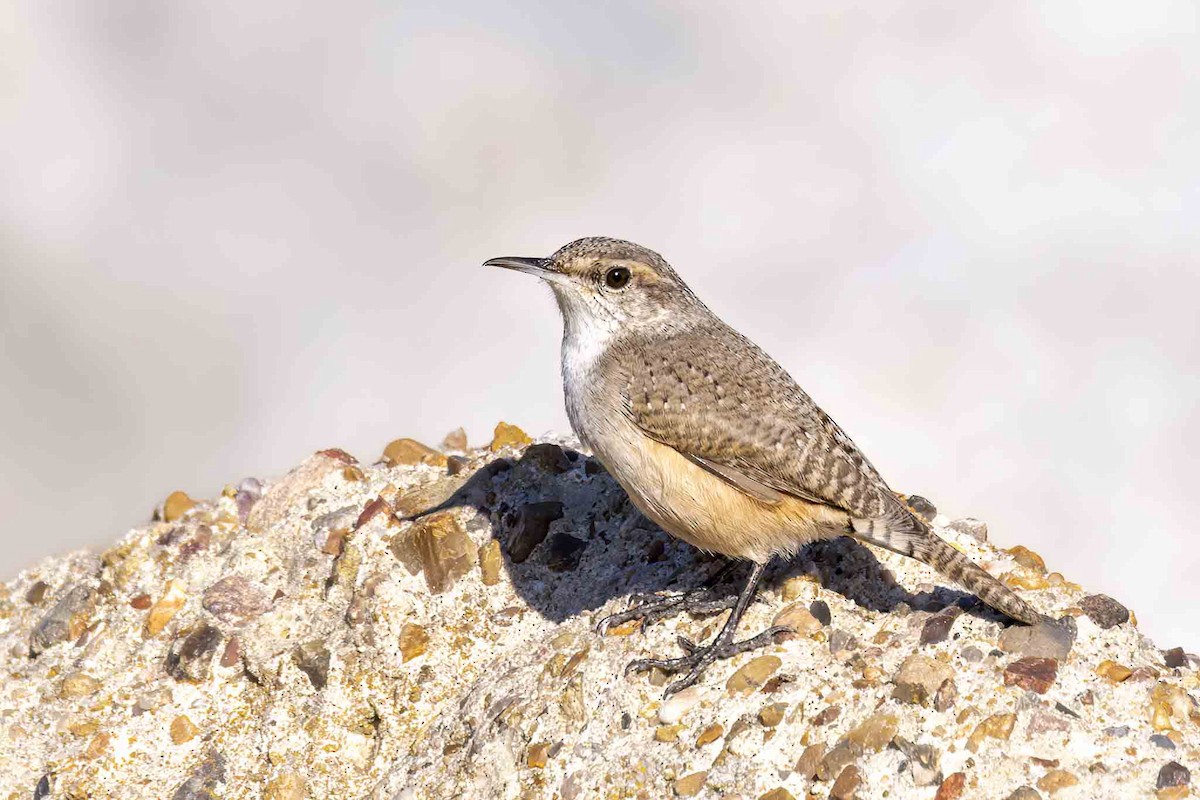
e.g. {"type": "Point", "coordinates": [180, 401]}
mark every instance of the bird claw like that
{"type": "Point", "coordinates": [698, 658]}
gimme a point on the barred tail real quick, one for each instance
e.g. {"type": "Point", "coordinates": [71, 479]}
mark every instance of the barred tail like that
{"type": "Point", "coordinates": [909, 536]}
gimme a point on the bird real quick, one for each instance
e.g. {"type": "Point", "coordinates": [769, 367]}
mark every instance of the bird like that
{"type": "Point", "coordinates": [714, 441]}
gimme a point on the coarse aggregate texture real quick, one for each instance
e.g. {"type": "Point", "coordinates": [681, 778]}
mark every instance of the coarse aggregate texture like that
{"type": "Point", "coordinates": [426, 627]}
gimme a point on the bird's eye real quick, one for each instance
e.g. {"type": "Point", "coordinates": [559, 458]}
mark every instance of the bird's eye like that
{"type": "Point", "coordinates": [617, 278]}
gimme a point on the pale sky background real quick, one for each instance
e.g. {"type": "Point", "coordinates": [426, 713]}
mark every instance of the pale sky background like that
{"type": "Point", "coordinates": [232, 233]}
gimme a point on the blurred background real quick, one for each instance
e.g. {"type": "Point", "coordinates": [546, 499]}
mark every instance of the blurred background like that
{"type": "Point", "coordinates": [234, 233]}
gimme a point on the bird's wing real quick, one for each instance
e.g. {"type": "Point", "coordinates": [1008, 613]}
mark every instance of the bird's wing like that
{"type": "Point", "coordinates": [719, 400]}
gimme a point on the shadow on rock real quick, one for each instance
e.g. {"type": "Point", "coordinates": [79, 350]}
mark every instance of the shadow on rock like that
{"type": "Point", "coordinates": [571, 541]}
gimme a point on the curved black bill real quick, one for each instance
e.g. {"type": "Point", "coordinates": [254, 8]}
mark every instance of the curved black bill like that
{"type": "Point", "coordinates": [534, 266]}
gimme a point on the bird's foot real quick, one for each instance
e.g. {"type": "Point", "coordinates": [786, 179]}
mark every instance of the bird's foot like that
{"type": "Point", "coordinates": [698, 659]}
{"type": "Point", "coordinates": [650, 608]}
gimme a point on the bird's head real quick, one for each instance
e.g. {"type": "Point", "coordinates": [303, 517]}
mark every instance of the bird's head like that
{"type": "Point", "coordinates": [612, 286]}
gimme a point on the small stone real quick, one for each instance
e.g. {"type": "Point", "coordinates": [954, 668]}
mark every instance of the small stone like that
{"type": "Point", "coordinates": [164, 610]}
{"type": "Point", "coordinates": [1175, 658]}
{"type": "Point", "coordinates": [232, 653]}
{"type": "Point", "coordinates": [1104, 611]}
{"type": "Point", "coordinates": [952, 788]}
{"type": "Point", "coordinates": [690, 785]}
{"type": "Point", "coordinates": [667, 733]}
{"type": "Point", "coordinates": [971, 654]}
{"type": "Point", "coordinates": [1166, 703]}
{"type": "Point", "coordinates": [236, 599]}
{"type": "Point", "coordinates": [65, 620]}
{"type": "Point", "coordinates": [1055, 780]}
{"type": "Point", "coordinates": [752, 675]}
{"type": "Point", "coordinates": [176, 505]}
{"type": "Point", "coordinates": [1025, 793]}
{"type": "Point", "coordinates": [1027, 558]}
{"type": "Point", "coordinates": [140, 602]}
{"type": "Point", "coordinates": [247, 493]}
{"type": "Point", "coordinates": [937, 628]}
{"type": "Point", "coordinates": [455, 440]}
{"type": "Point", "coordinates": [841, 641]}
{"type": "Point", "coordinates": [547, 457]}
{"type": "Point", "coordinates": [947, 695]}
{"type": "Point", "coordinates": [182, 729]}
{"type": "Point", "coordinates": [776, 794]}
{"type": "Point", "coordinates": [189, 658]}
{"type": "Point", "coordinates": [98, 746]}
{"type": "Point", "coordinates": [78, 684]}
{"type": "Point", "coordinates": [710, 734]}
{"type": "Point", "coordinates": [287, 786]}
{"type": "Point", "coordinates": [924, 761]}
{"type": "Point", "coordinates": [565, 552]}
{"type": "Point", "coordinates": [1173, 774]}
{"type": "Point", "coordinates": [1158, 740]}
{"type": "Point", "coordinates": [312, 658]}
{"type": "Point", "coordinates": [410, 452]}
{"type": "Point", "coordinates": [1033, 674]}
{"type": "Point", "coordinates": [83, 727]}
{"type": "Point", "coordinates": [678, 704]}
{"type": "Point", "coordinates": [976, 529]}
{"type": "Point", "coordinates": [810, 760]}
{"type": "Point", "coordinates": [1173, 793]}
{"type": "Point", "coordinates": [532, 525]}
{"type": "Point", "coordinates": [1025, 579]}
{"type": "Point", "coordinates": [875, 732]}
{"type": "Point", "coordinates": [490, 563]}
{"type": "Point", "coordinates": [827, 715]}
{"type": "Point", "coordinates": [37, 593]}
{"type": "Point", "coordinates": [204, 782]}
{"type": "Point", "coordinates": [919, 678]}
{"type": "Point", "coordinates": [820, 610]}
{"type": "Point", "coordinates": [1117, 673]}
{"type": "Point", "coordinates": [846, 785]}
{"type": "Point", "coordinates": [413, 641]}
{"type": "Point", "coordinates": [997, 726]}
{"type": "Point", "coordinates": [507, 435]}
{"type": "Point", "coordinates": [1047, 639]}
{"type": "Point", "coordinates": [771, 715]}
{"type": "Point", "coordinates": [799, 619]}
{"type": "Point", "coordinates": [845, 753]}
{"type": "Point", "coordinates": [1043, 722]}
{"type": "Point", "coordinates": [1117, 731]}
{"type": "Point", "coordinates": [437, 545]}
{"type": "Point", "coordinates": [537, 755]}
{"type": "Point", "coordinates": [922, 506]}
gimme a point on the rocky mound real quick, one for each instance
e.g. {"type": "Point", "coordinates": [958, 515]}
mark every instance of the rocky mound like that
{"type": "Point", "coordinates": [302, 639]}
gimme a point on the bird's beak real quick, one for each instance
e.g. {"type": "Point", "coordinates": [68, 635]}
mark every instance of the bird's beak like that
{"type": "Point", "coordinates": [539, 267]}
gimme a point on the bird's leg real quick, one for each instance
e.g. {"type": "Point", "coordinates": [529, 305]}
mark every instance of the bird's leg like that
{"type": "Point", "coordinates": [723, 646]}
{"type": "Point", "coordinates": [650, 608]}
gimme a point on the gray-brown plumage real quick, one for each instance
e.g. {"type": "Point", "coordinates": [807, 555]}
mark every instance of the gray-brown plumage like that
{"type": "Point", "coordinates": [710, 437]}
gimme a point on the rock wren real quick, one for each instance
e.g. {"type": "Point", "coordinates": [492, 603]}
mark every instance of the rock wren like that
{"type": "Point", "coordinates": [713, 440]}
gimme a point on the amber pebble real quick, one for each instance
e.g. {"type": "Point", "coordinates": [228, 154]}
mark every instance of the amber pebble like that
{"type": "Point", "coordinates": [710, 734]}
{"type": "Point", "coordinates": [753, 675]}
{"type": "Point", "coordinates": [690, 785]}
{"type": "Point", "coordinates": [182, 729]}
{"type": "Point", "coordinates": [409, 452]}
{"type": "Point", "coordinates": [164, 610]}
{"type": "Point", "coordinates": [1113, 671]}
{"type": "Point", "coordinates": [176, 505]}
{"type": "Point", "coordinates": [507, 435]}
{"type": "Point", "coordinates": [490, 563]}
{"type": "Point", "coordinates": [413, 641]}
{"type": "Point", "coordinates": [537, 755]}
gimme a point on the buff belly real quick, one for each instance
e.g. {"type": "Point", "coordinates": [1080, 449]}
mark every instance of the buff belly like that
{"type": "Point", "coordinates": [703, 510]}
